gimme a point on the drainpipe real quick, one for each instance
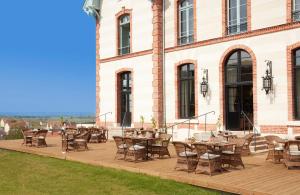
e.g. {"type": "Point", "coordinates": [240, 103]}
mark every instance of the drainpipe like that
{"type": "Point", "coordinates": [164, 67]}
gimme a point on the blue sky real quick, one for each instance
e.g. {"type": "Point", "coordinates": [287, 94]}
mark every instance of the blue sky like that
{"type": "Point", "coordinates": [47, 57]}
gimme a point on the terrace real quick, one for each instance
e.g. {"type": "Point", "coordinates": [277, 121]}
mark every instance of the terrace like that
{"type": "Point", "coordinates": [258, 177]}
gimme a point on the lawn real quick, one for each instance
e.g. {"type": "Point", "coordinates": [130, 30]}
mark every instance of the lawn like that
{"type": "Point", "coordinates": [30, 174]}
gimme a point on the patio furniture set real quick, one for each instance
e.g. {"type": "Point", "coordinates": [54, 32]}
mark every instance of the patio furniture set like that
{"type": "Point", "coordinates": [283, 151]}
{"type": "Point", "coordinates": [142, 145]}
{"type": "Point", "coordinates": [77, 139]}
{"type": "Point", "coordinates": [34, 137]}
{"type": "Point", "coordinates": [209, 157]}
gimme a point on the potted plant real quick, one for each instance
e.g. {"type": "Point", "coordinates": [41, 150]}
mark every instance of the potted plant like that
{"type": "Point", "coordinates": [142, 119]}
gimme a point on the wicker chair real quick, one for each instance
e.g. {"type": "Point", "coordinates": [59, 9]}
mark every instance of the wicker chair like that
{"type": "Point", "coordinates": [27, 136]}
{"type": "Point", "coordinates": [232, 156]}
{"type": "Point", "coordinates": [275, 148]}
{"type": "Point", "coordinates": [246, 147]}
{"type": "Point", "coordinates": [291, 155]}
{"type": "Point", "coordinates": [161, 146]}
{"type": "Point", "coordinates": [135, 151]}
{"type": "Point", "coordinates": [81, 140]}
{"type": "Point", "coordinates": [104, 135]}
{"type": "Point", "coordinates": [39, 138]}
{"type": "Point", "coordinates": [186, 158]}
{"type": "Point", "coordinates": [121, 147]}
{"type": "Point", "coordinates": [95, 135]}
{"type": "Point", "coordinates": [207, 162]}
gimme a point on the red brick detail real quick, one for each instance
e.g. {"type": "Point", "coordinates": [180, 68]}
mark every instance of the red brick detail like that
{"type": "Point", "coordinates": [157, 59]}
{"type": "Point", "coordinates": [118, 95]}
{"type": "Point", "coordinates": [225, 16]}
{"type": "Point", "coordinates": [276, 129]}
{"type": "Point", "coordinates": [223, 60]}
{"type": "Point", "coordinates": [176, 26]}
{"type": "Point", "coordinates": [253, 33]}
{"type": "Point", "coordinates": [289, 7]}
{"type": "Point", "coordinates": [290, 77]}
{"type": "Point", "coordinates": [97, 72]}
{"type": "Point", "coordinates": [296, 130]}
{"type": "Point", "coordinates": [118, 15]}
{"type": "Point", "coordinates": [176, 76]}
{"type": "Point", "coordinates": [127, 56]}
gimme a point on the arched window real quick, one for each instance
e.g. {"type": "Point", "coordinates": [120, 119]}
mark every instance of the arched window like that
{"type": "Point", "coordinates": [296, 10]}
{"type": "Point", "coordinates": [297, 83]}
{"type": "Point", "coordinates": [187, 90]}
{"type": "Point", "coordinates": [237, 16]}
{"type": "Point", "coordinates": [186, 22]}
{"type": "Point", "coordinates": [124, 34]}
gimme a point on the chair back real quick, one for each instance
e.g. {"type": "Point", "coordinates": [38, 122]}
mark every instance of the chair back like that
{"type": "Point", "coordinates": [118, 140]}
{"type": "Point", "coordinates": [239, 144]}
{"type": "Point", "coordinates": [248, 137]}
{"type": "Point", "coordinates": [180, 147]}
{"type": "Point", "coordinates": [200, 149]}
{"type": "Point", "coordinates": [292, 145]}
{"type": "Point", "coordinates": [128, 141]}
{"type": "Point", "coordinates": [41, 133]}
{"type": "Point", "coordinates": [272, 140]}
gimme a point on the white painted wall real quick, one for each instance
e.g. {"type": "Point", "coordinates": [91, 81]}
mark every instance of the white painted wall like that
{"type": "Point", "coordinates": [268, 13]}
{"type": "Point", "coordinates": [142, 87]}
{"type": "Point", "coordinates": [141, 26]}
{"type": "Point", "coordinates": [6, 128]}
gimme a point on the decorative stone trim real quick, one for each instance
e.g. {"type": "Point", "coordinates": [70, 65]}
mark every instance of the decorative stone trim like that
{"type": "Point", "coordinates": [222, 63]}
{"type": "Point", "coordinates": [126, 56]}
{"type": "Point", "coordinates": [97, 72]}
{"type": "Point", "coordinates": [225, 16]}
{"type": "Point", "coordinates": [289, 8]}
{"type": "Point", "coordinates": [118, 15]}
{"type": "Point", "coordinates": [290, 77]}
{"type": "Point", "coordinates": [276, 129]}
{"type": "Point", "coordinates": [177, 95]}
{"type": "Point", "coordinates": [253, 33]}
{"type": "Point", "coordinates": [117, 94]}
{"type": "Point", "coordinates": [157, 59]}
{"type": "Point", "coordinates": [176, 20]}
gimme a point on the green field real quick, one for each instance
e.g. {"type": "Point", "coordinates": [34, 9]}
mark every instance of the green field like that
{"type": "Point", "coordinates": [30, 174]}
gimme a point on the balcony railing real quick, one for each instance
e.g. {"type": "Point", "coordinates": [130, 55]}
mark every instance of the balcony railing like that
{"type": "Point", "coordinates": [183, 40]}
{"type": "Point", "coordinates": [296, 16]}
{"type": "Point", "coordinates": [236, 29]}
{"type": "Point", "coordinates": [124, 50]}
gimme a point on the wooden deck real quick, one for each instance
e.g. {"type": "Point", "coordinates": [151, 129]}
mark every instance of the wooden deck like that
{"type": "Point", "coordinates": [259, 176]}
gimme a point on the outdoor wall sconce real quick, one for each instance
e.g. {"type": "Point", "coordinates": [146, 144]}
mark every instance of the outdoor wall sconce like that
{"type": "Point", "coordinates": [268, 78]}
{"type": "Point", "coordinates": [204, 83]}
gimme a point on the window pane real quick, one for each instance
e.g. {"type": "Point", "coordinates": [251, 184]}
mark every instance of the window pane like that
{"type": "Point", "coordinates": [246, 73]}
{"type": "Point", "coordinates": [232, 3]}
{"type": "Point", "coordinates": [297, 61]}
{"type": "Point", "coordinates": [232, 100]}
{"type": "Point", "coordinates": [231, 75]}
{"type": "Point", "coordinates": [243, 11]}
{"type": "Point", "coordinates": [297, 93]}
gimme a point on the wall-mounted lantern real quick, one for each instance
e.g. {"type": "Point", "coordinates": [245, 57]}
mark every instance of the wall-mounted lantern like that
{"type": "Point", "coordinates": [268, 78]}
{"type": "Point", "coordinates": [204, 83]}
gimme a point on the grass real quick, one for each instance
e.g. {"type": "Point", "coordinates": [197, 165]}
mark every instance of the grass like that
{"type": "Point", "coordinates": [31, 174]}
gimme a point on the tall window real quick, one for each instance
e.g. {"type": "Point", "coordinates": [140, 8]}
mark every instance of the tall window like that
{"type": "Point", "coordinates": [187, 90]}
{"type": "Point", "coordinates": [237, 16]}
{"type": "Point", "coordinates": [297, 83]}
{"type": "Point", "coordinates": [296, 10]}
{"type": "Point", "coordinates": [124, 35]}
{"type": "Point", "coordinates": [186, 22]}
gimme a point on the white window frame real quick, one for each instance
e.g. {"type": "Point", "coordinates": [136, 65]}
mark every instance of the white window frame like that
{"type": "Point", "coordinates": [238, 17]}
{"type": "Point", "coordinates": [121, 33]}
{"type": "Point", "coordinates": [188, 30]}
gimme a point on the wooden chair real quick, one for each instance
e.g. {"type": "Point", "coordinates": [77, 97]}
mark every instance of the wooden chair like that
{"type": "Point", "coordinates": [186, 158]}
{"type": "Point", "coordinates": [207, 162]}
{"type": "Point", "coordinates": [232, 156]}
{"type": "Point", "coordinates": [121, 147]}
{"type": "Point", "coordinates": [275, 148]}
{"type": "Point", "coordinates": [291, 155]}
{"type": "Point", "coordinates": [39, 138]}
{"type": "Point", "coordinates": [27, 136]}
{"type": "Point", "coordinates": [134, 151]}
{"type": "Point", "coordinates": [161, 146]}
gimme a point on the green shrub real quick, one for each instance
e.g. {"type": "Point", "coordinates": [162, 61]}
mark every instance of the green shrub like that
{"type": "Point", "coordinates": [14, 134]}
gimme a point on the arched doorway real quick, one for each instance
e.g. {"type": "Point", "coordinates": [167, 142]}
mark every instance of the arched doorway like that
{"type": "Point", "coordinates": [125, 97]}
{"type": "Point", "coordinates": [238, 89]}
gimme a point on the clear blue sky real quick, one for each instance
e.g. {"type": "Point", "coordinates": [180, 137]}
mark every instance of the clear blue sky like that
{"type": "Point", "coordinates": [47, 57]}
